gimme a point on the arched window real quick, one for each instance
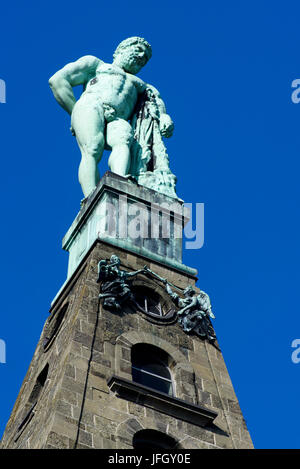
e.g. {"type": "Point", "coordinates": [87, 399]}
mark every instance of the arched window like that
{"type": "Point", "coordinates": [40, 382]}
{"type": "Point", "coordinates": [153, 439]}
{"type": "Point", "coordinates": [148, 300]}
{"type": "Point", "coordinates": [150, 368]}
{"type": "Point", "coordinates": [34, 396]}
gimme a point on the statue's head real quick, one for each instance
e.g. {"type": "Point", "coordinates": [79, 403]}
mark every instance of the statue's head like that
{"type": "Point", "coordinates": [189, 291]}
{"type": "Point", "coordinates": [132, 54]}
{"type": "Point", "coordinates": [115, 260]}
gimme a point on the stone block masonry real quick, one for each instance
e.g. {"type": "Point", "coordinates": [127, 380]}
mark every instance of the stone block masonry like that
{"type": "Point", "coordinates": [67, 381]}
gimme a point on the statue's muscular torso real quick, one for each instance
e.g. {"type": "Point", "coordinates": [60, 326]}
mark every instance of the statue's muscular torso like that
{"type": "Point", "coordinates": [116, 88]}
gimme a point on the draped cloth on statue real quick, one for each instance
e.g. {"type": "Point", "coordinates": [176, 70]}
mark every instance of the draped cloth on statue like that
{"type": "Point", "coordinates": [149, 158]}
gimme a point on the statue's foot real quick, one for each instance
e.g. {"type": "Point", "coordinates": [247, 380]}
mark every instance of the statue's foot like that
{"type": "Point", "coordinates": [131, 178]}
{"type": "Point", "coordinates": [85, 199]}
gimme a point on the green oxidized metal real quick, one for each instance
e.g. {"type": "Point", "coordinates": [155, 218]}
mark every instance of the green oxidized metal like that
{"type": "Point", "coordinates": [113, 95]}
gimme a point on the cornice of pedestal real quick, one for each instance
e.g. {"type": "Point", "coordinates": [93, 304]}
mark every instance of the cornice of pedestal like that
{"type": "Point", "coordinates": [110, 203]}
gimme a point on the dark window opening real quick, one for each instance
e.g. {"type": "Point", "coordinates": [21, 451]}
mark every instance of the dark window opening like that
{"type": "Point", "coordinates": [54, 325]}
{"type": "Point", "coordinates": [153, 439]}
{"type": "Point", "coordinates": [41, 379]}
{"type": "Point", "coordinates": [34, 396]}
{"type": "Point", "coordinates": [150, 368]}
{"type": "Point", "coordinates": [27, 417]}
{"type": "Point", "coordinates": [148, 300]}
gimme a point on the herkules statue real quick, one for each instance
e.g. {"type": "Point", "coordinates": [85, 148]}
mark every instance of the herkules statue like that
{"type": "Point", "coordinates": [100, 118]}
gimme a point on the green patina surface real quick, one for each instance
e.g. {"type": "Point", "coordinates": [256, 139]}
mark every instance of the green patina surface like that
{"type": "Point", "coordinates": [120, 112]}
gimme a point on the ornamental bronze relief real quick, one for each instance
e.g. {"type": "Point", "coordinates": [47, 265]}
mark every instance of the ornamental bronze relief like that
{"type": "Point", "coordinates": [154, 297]}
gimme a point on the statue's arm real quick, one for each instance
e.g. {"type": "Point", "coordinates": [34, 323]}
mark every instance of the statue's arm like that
{"type": "Point", "coordinates": [165, 122]}
{"type": "Point", "coordinates": [176, 298]}
{"type": "Point", "coordinates": [102, 270]}
{"type": "Point", "coordinates": [72, 74]}
{"type": "Point", "coordinates": [136, 272]}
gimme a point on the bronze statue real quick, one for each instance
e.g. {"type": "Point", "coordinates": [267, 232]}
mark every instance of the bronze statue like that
{"type": "Point", "coordinates": [115, 283]}
{"type": "Point", "coordinates": [195, 312]}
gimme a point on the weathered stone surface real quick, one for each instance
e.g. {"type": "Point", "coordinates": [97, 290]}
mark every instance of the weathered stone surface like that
{"type": "Point", "coordinates": [76, 407]}
{"type": "Point", "coordinates": [57, 441]}
{"type": "Point", "coordinates": [200, 433]}
{"type": "Point", "coordinates": [85, 438]}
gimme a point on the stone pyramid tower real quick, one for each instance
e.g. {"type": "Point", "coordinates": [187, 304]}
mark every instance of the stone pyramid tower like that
{"type": "Point", "coordinates": [124, 370]}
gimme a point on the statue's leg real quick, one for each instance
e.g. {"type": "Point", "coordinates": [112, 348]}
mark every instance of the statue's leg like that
{"type": "Point", "coordinates": [119, 138]}
{"type": "Point", "coordinates": [88, 124]}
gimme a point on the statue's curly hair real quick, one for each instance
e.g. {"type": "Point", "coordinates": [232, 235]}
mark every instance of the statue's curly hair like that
{"type": "Point", "coordinates": [134, 40]}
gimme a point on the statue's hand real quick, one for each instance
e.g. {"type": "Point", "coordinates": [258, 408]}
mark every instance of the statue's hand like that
{"type": "Point", "coordinates": [109, 112]}
{"type": "Point", "coordinates": [166, 125]}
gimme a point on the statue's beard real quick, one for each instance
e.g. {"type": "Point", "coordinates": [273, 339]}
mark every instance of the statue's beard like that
{"type": "Point", "coordinates": [132, 63]}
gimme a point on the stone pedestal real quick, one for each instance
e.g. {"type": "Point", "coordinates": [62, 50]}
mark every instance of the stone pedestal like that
{"type": "Point", "coordinates": [129, 216]}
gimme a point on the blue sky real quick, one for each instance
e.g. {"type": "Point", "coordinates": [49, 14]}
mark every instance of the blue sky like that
{"type": "Point", "coordinates": [225, 71]}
